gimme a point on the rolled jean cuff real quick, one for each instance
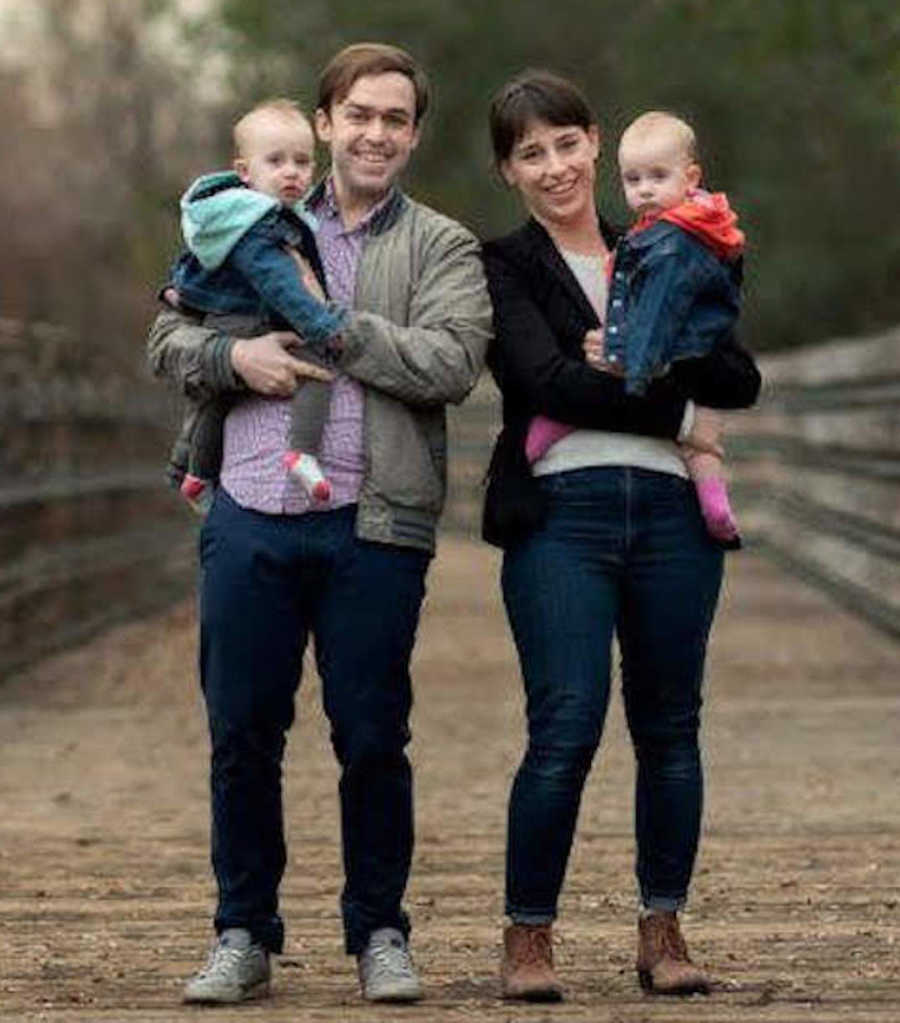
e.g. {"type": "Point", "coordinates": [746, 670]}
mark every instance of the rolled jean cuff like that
{"type": "Point", "coordinates": [268, 933]}
{"type": "Point", "coordinates": [533, 919]}
{"type": "Point", "coordinates": [663, 903]}
{"type": "Point", "coordinates": [359, 927]}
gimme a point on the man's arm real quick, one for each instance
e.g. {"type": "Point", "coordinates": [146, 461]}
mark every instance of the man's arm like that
{"type": "Point", "coordinates": [437, 357]}
{"type": "Point", "coordinates": [204, 362]}
{"type": "Point", "coordinates": [196, 358]}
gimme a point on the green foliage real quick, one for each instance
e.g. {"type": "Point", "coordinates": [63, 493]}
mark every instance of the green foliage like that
{"type": "Point", "coordinates": [795, 103]}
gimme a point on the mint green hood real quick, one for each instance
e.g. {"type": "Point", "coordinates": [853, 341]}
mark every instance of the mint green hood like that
{"type": "Point", "coordinates": [214, 224]}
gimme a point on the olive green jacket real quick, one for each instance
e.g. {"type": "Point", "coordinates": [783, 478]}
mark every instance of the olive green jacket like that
{"type": "Point", "coordinates": [416, 339]}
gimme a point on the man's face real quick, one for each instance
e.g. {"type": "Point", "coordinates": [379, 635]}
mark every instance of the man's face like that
{"type": "Point", "coordinates": [371, 133]}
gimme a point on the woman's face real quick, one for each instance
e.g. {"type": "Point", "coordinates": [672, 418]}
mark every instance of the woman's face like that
{"type": "Point", "coordinates": [554, 169]}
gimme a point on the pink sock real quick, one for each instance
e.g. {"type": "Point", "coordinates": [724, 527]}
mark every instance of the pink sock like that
{"type": "Point", "coordinates": [716, 509]}
{"type": "Point", "coordinates": [197, 492]}
{"type": "Point", "coordinates": [305, 468]}
{"type": "Point", "coordinates": [542, 434]}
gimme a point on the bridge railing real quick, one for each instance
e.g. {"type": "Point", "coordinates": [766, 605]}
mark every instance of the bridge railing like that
{"type": "Point", "coordinates": [816, 469]}
{"type": "Point", "coordinates": [89, 535]}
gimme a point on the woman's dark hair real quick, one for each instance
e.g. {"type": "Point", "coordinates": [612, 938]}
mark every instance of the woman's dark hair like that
{"type": "Point", "coordinates": [535, 95]}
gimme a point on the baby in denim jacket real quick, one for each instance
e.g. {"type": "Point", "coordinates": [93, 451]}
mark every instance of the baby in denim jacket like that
{"type": "Point", "coordinates": [674, 290]}
{"type": "Point", "coordinates": [251, 266]}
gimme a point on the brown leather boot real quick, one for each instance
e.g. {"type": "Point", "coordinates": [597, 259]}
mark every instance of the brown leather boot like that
{"type": "Point", "coordinates": [527, 972]}
{"type": "Point", "coordinates": [663, 964]}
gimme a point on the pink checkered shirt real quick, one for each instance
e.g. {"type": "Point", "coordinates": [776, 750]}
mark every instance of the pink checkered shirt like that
{"type": "Point", "coordinates": [257, 429]}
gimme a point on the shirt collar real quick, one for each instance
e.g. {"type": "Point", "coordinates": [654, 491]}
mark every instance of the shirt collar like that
{"type": "Point", "coordinates": [324, 204]}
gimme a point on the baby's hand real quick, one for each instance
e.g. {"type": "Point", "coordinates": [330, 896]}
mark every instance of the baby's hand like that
{"type": "Point", "coordinates": [310, 281]}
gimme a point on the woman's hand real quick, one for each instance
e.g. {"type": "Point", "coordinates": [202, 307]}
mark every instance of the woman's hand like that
{"type": "Point", "coordinates": [594, 346]}
{"type": "Point", "coordinates": [267, 367]}
{"type": "Point", "coordinates": [706, 431]}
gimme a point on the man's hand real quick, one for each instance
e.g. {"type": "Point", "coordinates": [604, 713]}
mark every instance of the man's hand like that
{"type": "Point", "coordinates": [267, 367]}
{"type": "Point", "coordinates": [706, 431]}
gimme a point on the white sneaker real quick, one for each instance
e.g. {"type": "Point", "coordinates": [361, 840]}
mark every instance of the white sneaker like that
{"type": "Point", "coordinates": [386, 971]}
{"type": "Point", "coordinates": [236, 971]}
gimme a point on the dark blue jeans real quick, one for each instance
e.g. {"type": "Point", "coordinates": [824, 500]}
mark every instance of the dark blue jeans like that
{"type": "Point", "coordinates": [622, 550]}
{"type": "Point", "coordinates": [267, 582]}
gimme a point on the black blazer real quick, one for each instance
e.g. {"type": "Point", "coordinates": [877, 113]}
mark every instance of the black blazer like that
{"type": "Point", "coordinates": [540, 318]}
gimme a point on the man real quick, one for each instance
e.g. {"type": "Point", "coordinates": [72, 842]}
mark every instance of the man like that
{"type": "Point", "coordinates": [275, 569]}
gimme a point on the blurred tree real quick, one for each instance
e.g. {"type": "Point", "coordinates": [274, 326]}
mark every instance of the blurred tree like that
{"type": "Point", "coordinates": [106, 125]}
{"type": "Point", "coordinates": [796, 106]}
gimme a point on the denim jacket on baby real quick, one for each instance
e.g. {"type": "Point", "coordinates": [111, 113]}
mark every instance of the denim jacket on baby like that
{"type": "Point", "coordinates": [674, 291]}
{"type": "Point", "coordinates": [237, 262]}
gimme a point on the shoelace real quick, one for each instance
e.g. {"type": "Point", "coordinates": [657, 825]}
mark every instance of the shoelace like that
{"type": "Point", "coordinates": [538, 947]}
{"type": "Point", "coordinates": [666, 939]}
{"type": "Point", "coordinates": [221, 959]}
{"type": "Point", "coordinates": [391, 957]}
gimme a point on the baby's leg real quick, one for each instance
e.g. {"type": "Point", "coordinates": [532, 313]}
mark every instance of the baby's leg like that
{"type": "Point", "coordinates": [204, 428]}
{"type": "Point", "coordinates": [709, 480]}
{"type": "Point", "coordinates": [542, 434]}
{"type": "Point", "coordinates": [309, 410]}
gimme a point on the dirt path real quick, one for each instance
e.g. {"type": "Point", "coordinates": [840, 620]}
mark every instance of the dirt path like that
{"type": "Point", "coordinates": [105, 890]}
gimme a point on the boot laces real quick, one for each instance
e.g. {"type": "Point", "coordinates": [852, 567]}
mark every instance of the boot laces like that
{"type": "Point", "coordinates": [538, 949]}
{"type": "Point", "coordinates": [668, 939]}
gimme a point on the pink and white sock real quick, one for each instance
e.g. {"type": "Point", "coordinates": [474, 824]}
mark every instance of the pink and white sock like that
{"type": "Point", "coordinates": [197, 492]}
{"type": "Point", "coordinates": [716, 509]}
{"type": "Point", "coordinates": [305, 468]}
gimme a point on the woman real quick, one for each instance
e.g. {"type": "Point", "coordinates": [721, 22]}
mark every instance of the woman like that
{"type": "Point", "coordinates": [601, 534]}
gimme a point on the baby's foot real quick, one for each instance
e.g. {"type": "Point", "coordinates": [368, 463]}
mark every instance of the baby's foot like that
{"type": "Point", "coordinates": [717, 514]}
{"type": "Point", "coordinates": [305, 468]}
{"type": "Point", "coordinates": [197, 492]}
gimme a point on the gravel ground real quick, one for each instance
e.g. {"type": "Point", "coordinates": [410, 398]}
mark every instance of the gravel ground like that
{"type": "Point", "coordinates": [106, 892]}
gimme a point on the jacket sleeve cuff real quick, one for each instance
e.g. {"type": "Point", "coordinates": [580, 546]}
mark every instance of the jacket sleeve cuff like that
{"type": "Point", "coordinates": [221, 372]}
{"type": "Point", "coordinates": [687, 422]}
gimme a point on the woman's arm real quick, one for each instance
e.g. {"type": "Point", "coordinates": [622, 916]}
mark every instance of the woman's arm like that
{"type": "Point", "coordinates": [528, 362]}
{"type": "Point", "coordinates": [436, 354]}
{"type": "Point", "coordinates": [726, 378]}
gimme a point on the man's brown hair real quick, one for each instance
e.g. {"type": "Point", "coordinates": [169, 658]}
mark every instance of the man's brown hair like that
{"type": "Point", "coordinates": [361, 59]}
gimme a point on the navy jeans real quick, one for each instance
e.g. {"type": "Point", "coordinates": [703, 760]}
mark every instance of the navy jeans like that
{"type": "Point", "coordinates": [622, 550]}
{"type": "Point", "coordinates": [267, 582]}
